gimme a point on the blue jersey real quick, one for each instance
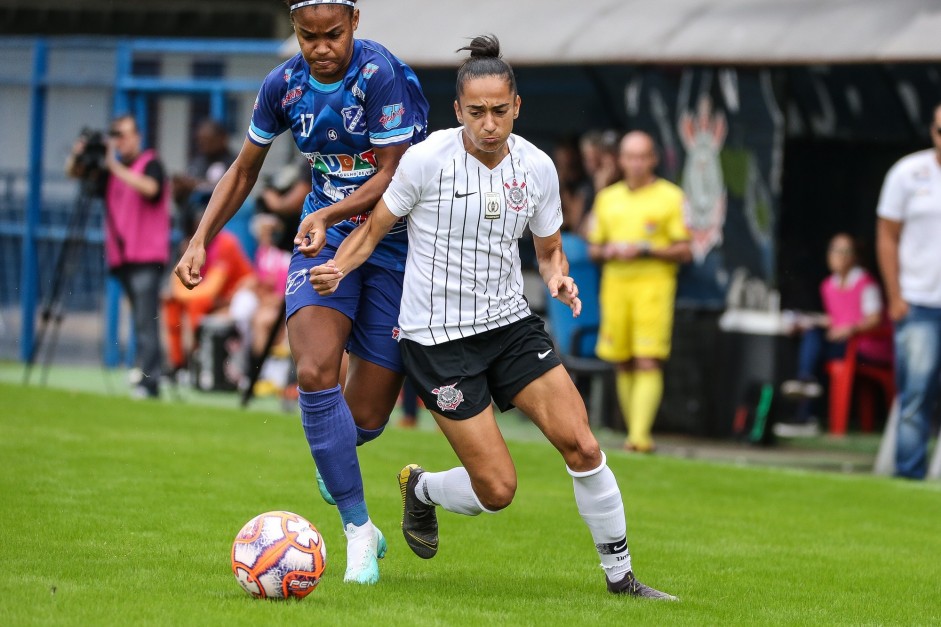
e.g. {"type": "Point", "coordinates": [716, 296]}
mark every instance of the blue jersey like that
{"type": "Point", "coordinates": [378, 103]}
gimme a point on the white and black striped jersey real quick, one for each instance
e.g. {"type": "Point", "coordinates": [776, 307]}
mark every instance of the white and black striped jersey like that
{"type": "Point", "coordinates": [462, 274]}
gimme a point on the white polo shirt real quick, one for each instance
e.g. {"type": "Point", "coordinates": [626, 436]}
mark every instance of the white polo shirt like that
{"type": "Point", "coordinates": [911, 195]}
{"type": "Point", "coordinates": [462, 274]}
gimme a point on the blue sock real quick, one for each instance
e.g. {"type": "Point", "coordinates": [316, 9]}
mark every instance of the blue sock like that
{"type": "Point", "coordinates": [367, 435]}
{"type": "Point", "coordinates": [356, 515]}
{"type": "Point", "coordinates": [331, 434]}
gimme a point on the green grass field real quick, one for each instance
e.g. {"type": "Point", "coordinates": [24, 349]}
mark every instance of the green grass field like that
{"type": "Point", "coordinates": [122, 512]}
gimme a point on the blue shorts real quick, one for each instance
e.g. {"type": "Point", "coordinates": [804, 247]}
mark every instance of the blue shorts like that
{"type": "Point", "coordinates": [369, 296]}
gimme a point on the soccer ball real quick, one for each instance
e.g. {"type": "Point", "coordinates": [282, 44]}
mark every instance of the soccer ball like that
{"type": "Point", "coordinates": [278, 555]}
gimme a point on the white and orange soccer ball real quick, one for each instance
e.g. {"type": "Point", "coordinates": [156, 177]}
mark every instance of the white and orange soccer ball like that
{"type": "Point", "coordinates": [278, 555]}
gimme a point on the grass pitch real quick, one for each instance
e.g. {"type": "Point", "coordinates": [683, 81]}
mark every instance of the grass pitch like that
{"type": "Point", "coordinates": [122, 512]}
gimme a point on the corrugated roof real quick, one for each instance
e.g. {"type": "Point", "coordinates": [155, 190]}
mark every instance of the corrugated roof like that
{"type": "Point", "coordinates": [541, 32]}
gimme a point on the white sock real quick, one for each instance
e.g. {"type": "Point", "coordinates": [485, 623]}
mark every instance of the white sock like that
{"type": "Point", "coordinates": [599, 503]}
{"type": "Point", "coordinates": [451, 490]}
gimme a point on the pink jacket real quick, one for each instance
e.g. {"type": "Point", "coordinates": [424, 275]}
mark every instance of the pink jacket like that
{"type": "Point", "coordinates": [137, 230]}
{"type": "Point", "coordinates": [844, 305]}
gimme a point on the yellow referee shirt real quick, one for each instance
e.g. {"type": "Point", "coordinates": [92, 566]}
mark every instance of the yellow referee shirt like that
{"type": "Point", "coordinates": [651, 215]}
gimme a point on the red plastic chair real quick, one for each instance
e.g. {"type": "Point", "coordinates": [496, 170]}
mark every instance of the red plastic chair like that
{"type": "Point", "coordinates": [844, 373]}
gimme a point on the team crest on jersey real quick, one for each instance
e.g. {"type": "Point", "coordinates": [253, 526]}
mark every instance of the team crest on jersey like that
{"type": "Point", "coordinates": [295, 281]}
{"type": "Point", "coordinates": [287, 74]}
{"type": "Point", "coordinates": [292, 96]}
{"type": "Point", "coordinates": [354, 120]}
{"type": "Point", "coordinates": [369, 70]}
{"type": "Point", "coordinates": [392, 116]}
{"type": "Point", "coordinates": [449, 397]}
{"type": "Point", "coordinates": [515, 195]}
{"type": "Point", "coordinates": [395, 333]}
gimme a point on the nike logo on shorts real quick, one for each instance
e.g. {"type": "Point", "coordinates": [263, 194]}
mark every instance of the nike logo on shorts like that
{"type": "Point", "coordinates": [543, 355]}
{"type": "Point", "coordinates": [458, 194]}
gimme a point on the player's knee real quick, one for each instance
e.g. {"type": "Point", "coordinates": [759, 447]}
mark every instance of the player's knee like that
{"type": "Point", "coordinates": [313, 378]}
{"type": "Point", "coordinates": [583, 454]}
{"type": "Point", "coordinates": [497, 494]}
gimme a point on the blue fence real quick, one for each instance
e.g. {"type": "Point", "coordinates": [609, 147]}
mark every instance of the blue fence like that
{"type": "Point", "coordinates": [49, 234]}
{"type": "Point", "coordinates": [33, 222]}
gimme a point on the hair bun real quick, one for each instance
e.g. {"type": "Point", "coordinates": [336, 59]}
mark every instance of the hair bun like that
{"type": "Point", "coordinates": [484, 60]}
{"type": "Point", "coordinates": [484, 46]}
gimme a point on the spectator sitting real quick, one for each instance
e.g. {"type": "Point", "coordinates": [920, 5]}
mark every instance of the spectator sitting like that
{"type": "Point", "coordinates": [256, 306]}
{"type": "Point", "coordinates": [853, 305]}
{"type": "Point", "coordinates": [225, 269]}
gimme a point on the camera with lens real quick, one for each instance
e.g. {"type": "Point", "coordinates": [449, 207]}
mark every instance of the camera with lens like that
{"type": "Point", "coordinates": [90, 163]}
{"type": "Point", "coordinates": [92, 157]}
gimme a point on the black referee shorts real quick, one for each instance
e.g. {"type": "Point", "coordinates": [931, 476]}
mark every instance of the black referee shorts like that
{"type": "Point", "coordinates": [459, 378]}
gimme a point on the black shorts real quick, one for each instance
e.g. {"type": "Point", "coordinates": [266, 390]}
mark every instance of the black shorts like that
{"type": "Point", "coordinates": [459, 378]}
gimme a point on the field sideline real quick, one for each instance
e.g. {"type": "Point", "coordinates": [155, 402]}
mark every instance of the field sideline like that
{"type": "Point", "coordinates": [122, 512]}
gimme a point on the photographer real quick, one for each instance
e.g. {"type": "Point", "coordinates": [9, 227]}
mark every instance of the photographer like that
{"type": "Point", "coordinates": [137, 230]}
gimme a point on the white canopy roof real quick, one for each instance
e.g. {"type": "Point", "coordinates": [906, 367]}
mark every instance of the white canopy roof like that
{"type": "Point", "coordinates": [425, 33]}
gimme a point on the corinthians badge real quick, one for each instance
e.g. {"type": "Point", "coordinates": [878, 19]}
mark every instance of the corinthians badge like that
{"type": "Point", "coordinates": [448, 397]}
{"type": "Point", "coordinates": [515, 196]}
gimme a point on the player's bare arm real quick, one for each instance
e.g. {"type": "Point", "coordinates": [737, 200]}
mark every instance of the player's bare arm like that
{"type": "Point", "coordinates": [554, 267]}
{"type": "Point", "coordinates": [888, 235]}
{"type": "Point", "coordinates": [354, 250]}
{"type": "Point", "coordinates": [231, 191]}
{"type": "Point", "coordinates": [312, 232]}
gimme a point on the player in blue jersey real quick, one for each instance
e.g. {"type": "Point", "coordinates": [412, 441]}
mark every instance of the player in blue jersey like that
{"type": "Point", "coordinates": [353, 109]}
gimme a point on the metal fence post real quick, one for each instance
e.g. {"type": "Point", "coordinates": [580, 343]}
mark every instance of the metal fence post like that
{"type": "Point", "coordinates": [29, 272]}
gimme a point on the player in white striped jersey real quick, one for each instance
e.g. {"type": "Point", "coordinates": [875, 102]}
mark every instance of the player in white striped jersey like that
{"type": "Point", "coordinates": [467, 335]}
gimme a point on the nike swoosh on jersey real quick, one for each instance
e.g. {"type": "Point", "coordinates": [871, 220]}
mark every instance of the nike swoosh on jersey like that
{"type": "Point", "coordinates": [543, 355]}
{"type": "Point", "coordinates": [460, 195]}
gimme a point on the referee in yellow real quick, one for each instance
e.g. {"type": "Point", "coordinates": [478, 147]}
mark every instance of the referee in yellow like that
{"type": "Point", "coordinates": [639, 236]}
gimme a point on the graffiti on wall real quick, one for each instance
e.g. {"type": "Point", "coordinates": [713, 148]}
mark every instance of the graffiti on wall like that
{"type": "Point", "coordinates": [721, 135]}
{"type": "Point", "coordinates": [703, 135]}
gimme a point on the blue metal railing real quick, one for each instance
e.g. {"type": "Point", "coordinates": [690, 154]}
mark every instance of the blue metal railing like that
{"type": "Point", "coordinates": [30, 235]}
